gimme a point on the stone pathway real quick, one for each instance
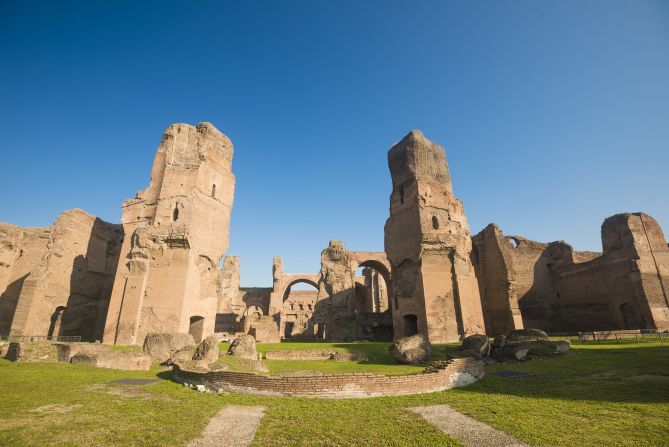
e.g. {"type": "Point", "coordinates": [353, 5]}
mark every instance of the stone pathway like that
{"type": "Point", "coordinates": [233, 426]}
{"type": "Point", "coordinates": [469, 431]}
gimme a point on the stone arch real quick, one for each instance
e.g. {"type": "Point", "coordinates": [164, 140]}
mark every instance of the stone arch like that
{"type": "Point", "coordinates": [376, 260]}
{"type": "Point", "coordinates": [297, 312]}
{"type": "Point", "coordinates": [291, 280]}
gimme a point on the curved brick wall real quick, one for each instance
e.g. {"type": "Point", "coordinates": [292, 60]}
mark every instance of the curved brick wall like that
{"type": "Point", "coordinates": [459, 372]}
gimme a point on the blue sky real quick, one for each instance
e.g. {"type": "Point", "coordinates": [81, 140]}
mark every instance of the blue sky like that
{"type": "Point", "coordinates": [554, 115]}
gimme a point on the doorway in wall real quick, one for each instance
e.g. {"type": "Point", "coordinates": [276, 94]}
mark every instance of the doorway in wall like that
{"type": "Point", "coordinates": [410, 325]}
{"type": "Point", "coordinates": [196, 328]}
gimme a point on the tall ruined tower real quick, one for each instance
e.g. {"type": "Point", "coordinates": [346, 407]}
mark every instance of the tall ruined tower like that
{"type": "Point", "coordinates": [427, 241]}
{"type": "Point", "coordinates": [176, 232]}
{"type": "Point", "coordinates": [638, 239]}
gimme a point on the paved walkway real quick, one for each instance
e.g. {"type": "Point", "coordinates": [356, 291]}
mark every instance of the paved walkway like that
{"type": "Point", "coordinates": [233, 426]}
{"type": "Point", "coordinates": [469, 431]}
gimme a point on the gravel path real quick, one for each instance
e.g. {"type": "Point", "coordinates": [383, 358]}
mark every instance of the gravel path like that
{"type": "Point", "coordinates": [469, 431]}
{"type": "Point", "coordinates": [233, 426]}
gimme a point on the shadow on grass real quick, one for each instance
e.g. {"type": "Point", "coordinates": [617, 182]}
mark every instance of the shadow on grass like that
{"type": "Point", "coordinates": [165, 375]}
{"type": "Point", "coordinates": [612, 374]}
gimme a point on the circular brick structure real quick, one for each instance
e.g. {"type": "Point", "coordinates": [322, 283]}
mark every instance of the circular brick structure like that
{"type": "Point", "coordinates": [456, 373]}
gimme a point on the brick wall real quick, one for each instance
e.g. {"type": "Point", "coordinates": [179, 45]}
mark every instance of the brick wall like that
{"type": "Point", "coordinates": [459, 372]}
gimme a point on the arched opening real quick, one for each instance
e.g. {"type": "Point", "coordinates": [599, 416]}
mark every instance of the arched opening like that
{"type": "Point", "coordinates": [196, 328]}
{"type": "Point", "coordinates": [372, 303]}
{"type": "Point", "coordinates": [410, 325]}
{"type": "Point", "coordinates": [513, 242]}
{"type": "Point", "coordinates": [175, 213]}
{"type": "Point", "coordinates": [297, 313]}
{"type": "Point", "coordinates": [435, 223]}
{"type": "Point", "coordinates": [56, 320]}
{"type": "Point", "coordinates": [213, 190]}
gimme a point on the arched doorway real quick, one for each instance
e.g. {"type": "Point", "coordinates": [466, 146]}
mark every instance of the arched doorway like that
{"type": "Point", "coordinates": [297, 312]}
{"type": "Point", "coordinates": [56, 320]}
{"type": "Point", "coordinates": [372, 304]}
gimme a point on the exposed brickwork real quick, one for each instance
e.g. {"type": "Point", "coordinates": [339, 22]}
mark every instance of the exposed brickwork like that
{"type": "Point", "coordinates": [459, 372]}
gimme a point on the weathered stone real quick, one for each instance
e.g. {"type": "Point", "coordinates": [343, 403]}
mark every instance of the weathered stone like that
{"type": "Point", "coordinates": [512, 351]}
{"type": "Point", "coordinates": [32, 352]}
{"type": "Point", "coordinates": [184, 354]}
{"type": "Point", "coordinates": [478, 343]}
{"type": "Point", "coordinates": [465, 353]}
{"type": "Point", "coordinates": [161, 346]}
{"type": "Point", "coordinates": [428, 243]}
{"type": "Point", "coordinates": [207, 350]}
{"type": "Point", "coordinates": [159, 270]}
{"type": "Point", "coordinates": [526, 335]}
{"type": "Point", "coordinates": [412, 350]}
{"type": "Point", "coordinates": [64, 283]}
{"type": "Point", "coordinates": [68, 350]}
{"type": "Point", "coordinates": [244, 347]}
{"type": "Point", "coordinates": [499, 341]}
{"type": "Point", "coordinates": [124, 360]}
{"type": "Point", "coordinates": [546, 347]}
{"type": "Point", "coordinates": [177, 232]}
{"type": "Point", "coordinates": [558, 289]}
{"type": "Point", "coordinates": [335, 308]}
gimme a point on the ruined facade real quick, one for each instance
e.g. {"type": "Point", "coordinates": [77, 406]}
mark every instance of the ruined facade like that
{"type": "Point", "coordinates": [178, 231]}
{"type": "Point", "coordinates": [550, 286]}
{"type": "Point", "coordinates": [57, 280]}
{"type": "Point", "coordinates": [427, 240]}
{"type": "Point", "coordinates": [164, 269]}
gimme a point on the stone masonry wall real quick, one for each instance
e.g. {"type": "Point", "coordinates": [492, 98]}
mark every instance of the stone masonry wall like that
{"type": "Point", "coordinates": [427, 241]}
{"type": "Point", "coordinates": [554, 288]}
{"type": "Point", "coordinates": [21, 249]}
{"type": "Point", "coordinates": [178, 231]}
{"type": "Point", "coordinates": [67, 291]}
{"type": "Point", "coordinates": [459, 372]}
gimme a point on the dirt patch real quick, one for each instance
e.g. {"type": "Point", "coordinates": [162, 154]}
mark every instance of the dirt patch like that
{"type": "Point", "coordinates": [127, 392]}
{"type": "Point", "coordinates": [470, 432]}
{"type": "Point", "coordinates": [55, 409]}
{"type": "Point", "coordinates": [233, 426]}
{"type": "Point", "coordinates": [6, 424]}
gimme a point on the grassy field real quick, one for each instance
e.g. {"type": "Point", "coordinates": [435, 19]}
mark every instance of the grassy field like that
{"type": "Point", "coordinates": [601, 394]}
{"type": "Point", "coordinates": [378, 359]}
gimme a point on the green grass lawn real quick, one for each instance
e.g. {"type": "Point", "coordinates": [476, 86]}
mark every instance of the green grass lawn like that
{"type": "Point", "coordinates": [378, 360]}
{"type": "Point", "coordinates": [601, 394]}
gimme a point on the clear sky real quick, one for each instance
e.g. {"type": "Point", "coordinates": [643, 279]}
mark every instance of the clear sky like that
{"type": "Point", "coordinates": [554, 114]}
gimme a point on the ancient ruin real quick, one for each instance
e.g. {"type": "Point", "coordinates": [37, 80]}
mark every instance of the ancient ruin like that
{"type": "Point", "coordinates": [164, 269]}
{"type": "Point", "coordinates": [550, 286]}
{"type": "Point", "coordinates": [429, 246]}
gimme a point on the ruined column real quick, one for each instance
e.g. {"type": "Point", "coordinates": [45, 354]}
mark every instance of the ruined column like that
{"type": "Point", "coordinates": [427, 241]}
{"type": "Point", "coordinates": [335, 307]}
{"type": "Point", "coordinates": [177, 232]}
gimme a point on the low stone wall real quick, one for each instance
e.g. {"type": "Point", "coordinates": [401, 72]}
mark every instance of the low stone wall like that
{"type": "Point", "coordinates": [38, 351]}
{"type": "Point", "coordinates": [457, 373]}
